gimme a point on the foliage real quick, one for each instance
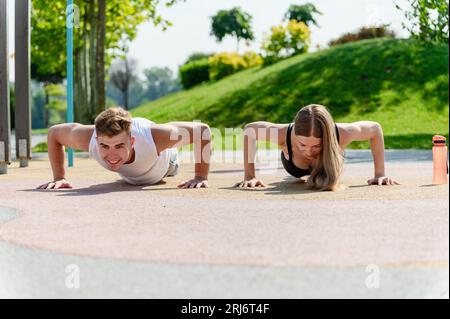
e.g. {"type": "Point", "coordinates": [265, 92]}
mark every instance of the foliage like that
{"type": "Point", "coordinates": [12, 104]}
{"type": "Point", "coordinates": [197, 56]}
{"type": "Point", "coordinates": [234, 22]}
{"type": "Point", "coordinates": [194, 73]}
{"type": "Point", "coordinates": [401, 84]}
{"type": "Point", "coordinates": [104, 31]}
{"type": "Point", "coordinates": [428, 20]}
{"type": "Point", "coordinates": [364, 33]}
{"type": "Point", "coordinates": [122, 73]}
{"type": "Point", "coordinates": [160, 82]}
{"type": "Point", "coordinates": [303, 13]}
{"type": "Point", "coordinates": [252, 59]}
{"type": "Point", "coordinates": [225, 64]}
{"type": "Point", "coordinates": [286, 41]}
{"type": "Point", "coordinates": [56, 105]}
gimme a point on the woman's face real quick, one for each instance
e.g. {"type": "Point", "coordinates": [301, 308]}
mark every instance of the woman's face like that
{"type": "Point", "coordinates": [309, 147]}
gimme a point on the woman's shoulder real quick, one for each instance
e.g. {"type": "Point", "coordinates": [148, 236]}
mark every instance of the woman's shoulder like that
{"type": "Point", "coordinates": [345, 131]}
{"type": "Point", "coordinates": [282, 131]}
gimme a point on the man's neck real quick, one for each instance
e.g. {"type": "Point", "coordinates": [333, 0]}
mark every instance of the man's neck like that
{"type": "Point", "coordinates": [132, 157]}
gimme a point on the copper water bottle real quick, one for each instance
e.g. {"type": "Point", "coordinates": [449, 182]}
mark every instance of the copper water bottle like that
{"type": "Point", "coordinates": [440, 167]}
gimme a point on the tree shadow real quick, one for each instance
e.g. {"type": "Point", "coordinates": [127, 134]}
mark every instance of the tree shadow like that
{"type": "Point", "coordinates": [353, 76]}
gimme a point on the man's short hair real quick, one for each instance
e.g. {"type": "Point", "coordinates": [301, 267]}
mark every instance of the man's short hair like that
{"type": "Point", "coordinates": [113, 121]}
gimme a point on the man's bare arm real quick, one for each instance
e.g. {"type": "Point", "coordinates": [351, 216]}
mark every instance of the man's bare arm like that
{"type": "Point", "coordinates": [178, 134]}
{"type": "Point", "coordinates": [72, 135]}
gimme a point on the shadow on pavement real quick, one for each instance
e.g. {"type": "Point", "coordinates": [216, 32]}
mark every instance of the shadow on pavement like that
{"type": "Point", "coordinates": [288, 186]}
{"type": "Point", "coordinates": [118, 186]}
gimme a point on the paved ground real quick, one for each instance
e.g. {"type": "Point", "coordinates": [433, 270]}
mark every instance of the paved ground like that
{"type": "Point", "coordinates": [282, 241]}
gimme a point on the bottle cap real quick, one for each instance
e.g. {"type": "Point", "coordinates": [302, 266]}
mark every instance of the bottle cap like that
{"type": "Point", "coordinates": [439, 140]}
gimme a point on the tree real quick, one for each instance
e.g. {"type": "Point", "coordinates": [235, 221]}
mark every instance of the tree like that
{"type": "Point", "coordinates": [235, 23]}
{"type": "Point", "coordinates": [46, 78]}
{"type": "Point", "coordinates": [160, 82]}
{"type": "Point", "coordinates": [303, 13]}
{"type": "Point", "coordinates": [136, 94]}
{"type": "Point", "coordinates": [12, 106]}
{"type": "Point", "coordinates": [55, 103]}
{"type": "Point", "coordinates": [104, 32]}
{"type": "Point", "coordinates": [122, 74]}
{"type": "Point", "coordinates": [286, 41]}
{"type": "Point", "coordinates": [37, 105]}
{"type": "Point", "coordinates": [428, 20]}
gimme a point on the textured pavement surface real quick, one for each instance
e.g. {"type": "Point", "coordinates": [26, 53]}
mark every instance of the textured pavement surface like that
{"type": "Point", "coordinates": [282, 241]}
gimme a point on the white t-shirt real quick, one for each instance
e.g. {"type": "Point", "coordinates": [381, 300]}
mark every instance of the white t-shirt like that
{"type": "Point", "coordinates": [148, 167]}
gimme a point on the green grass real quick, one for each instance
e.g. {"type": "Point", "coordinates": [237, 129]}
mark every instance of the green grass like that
{"type": "Point", "coordinates": [40, 131]}
{"type": "Point", "coordinates": [399, 83]}
{"type": "Point", "coordinates": [43, 148]}
{"type": "Point", "coordinates": [40, 148]}
{"type": "Point", "coordinates": [233, 143]}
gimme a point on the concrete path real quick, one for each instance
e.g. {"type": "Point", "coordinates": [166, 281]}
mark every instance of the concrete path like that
{"type": "Point", "coordinates": [283, 241]}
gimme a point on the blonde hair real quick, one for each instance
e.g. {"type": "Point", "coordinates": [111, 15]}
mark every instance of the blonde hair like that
{"type": "Point", "coordinates": [113, 121]}
{"type": "Point", "coordinates": [315, 120]}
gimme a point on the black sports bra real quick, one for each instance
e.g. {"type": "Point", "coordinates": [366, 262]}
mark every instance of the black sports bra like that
{"type": "Point", "coordinates": [289, 165]}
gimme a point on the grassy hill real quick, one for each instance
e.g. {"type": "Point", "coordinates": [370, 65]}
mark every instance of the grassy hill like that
{"type": "Point", "coordinates": [400, 83]}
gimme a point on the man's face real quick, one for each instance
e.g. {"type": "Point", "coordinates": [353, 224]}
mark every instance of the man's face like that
{"type": "Point", "coordinates": [115, 151]}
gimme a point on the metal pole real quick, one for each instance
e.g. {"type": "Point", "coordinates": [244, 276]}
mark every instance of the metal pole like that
{"type": "Point", "coordinates": [69, 39]}
{"type": "Point", "coordinates": [22, 82]}
{"type": "Point", "coordinates": [5, 125]}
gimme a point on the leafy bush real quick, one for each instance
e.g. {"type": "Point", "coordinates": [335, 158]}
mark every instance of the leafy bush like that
{"type": "Point", "coordinates": [252, 59]}
{"type": "Point", "coordinates": [286, 41]}
{"type": "Point", "coordinates": [194, 73]}
{"type": "Point", "coordinates": [197, 56]}
{"type": "Point", "coordinates": [225, 64]}
{"type": "Point", "coordinates": [363, 34]}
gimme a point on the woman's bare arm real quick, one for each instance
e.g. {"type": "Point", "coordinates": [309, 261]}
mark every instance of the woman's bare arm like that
{"type": "Point", "coordinates": [373, 132]}
{"type": "Point", "coordinates": [254, 132]}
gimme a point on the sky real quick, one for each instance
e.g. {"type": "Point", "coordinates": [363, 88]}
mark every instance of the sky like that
{"type": "Point", "coordinates": [192, 26]}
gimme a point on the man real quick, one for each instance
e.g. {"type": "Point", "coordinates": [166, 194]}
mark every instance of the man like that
{"type": "Point", "coordinates": [140, 151]}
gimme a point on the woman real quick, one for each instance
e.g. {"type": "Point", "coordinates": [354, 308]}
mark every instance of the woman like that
{"type": "Point", "coordinates": [314, 146]}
